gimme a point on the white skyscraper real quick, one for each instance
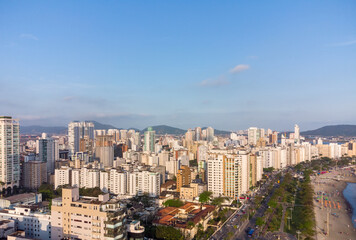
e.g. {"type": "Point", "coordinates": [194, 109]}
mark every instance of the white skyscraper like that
{"type": "Point", "coordinates": [62, 176]}
{"type": "Point", "coordinates": [296, 133]}
{"type": "Point", "coordinates": [149, 140]}
{"type": "Point", "coordinates": [89, 178]}
{"type": "Point", "coordinates": [9, 152]}
{"type": "Point", "coordinates": [198, 134]}
{"type": "Point", "coordinates": [104, 181]}
{"type": "Point", "coordinates": [253, 135]}
{"type": "Point", "coordinates": [48, 152]}
{"type": "Point", "coordinates": [210, 134]}
{"type": "Point", "coordinates": [117, 182]}
{"type": "Point", "coordinates": [77, 131]}
{"type": "Point", "coordinates": [139, 183]}
{"type": "Point", "coordinates": [245, 171]}
{"type": "Point", "coordinates": [215, 175]}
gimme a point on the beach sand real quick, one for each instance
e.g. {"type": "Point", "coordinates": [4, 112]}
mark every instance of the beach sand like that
{"type": "Point", "coordinates": [340, 225]}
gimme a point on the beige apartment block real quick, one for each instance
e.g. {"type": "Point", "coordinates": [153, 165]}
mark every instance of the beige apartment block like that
{"type": "Point", "coordinates": [187, 193]}
{"type": "Point", "coordinates": [79, 217]}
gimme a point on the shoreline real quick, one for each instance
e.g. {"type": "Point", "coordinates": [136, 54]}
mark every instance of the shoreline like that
{"type": "Point", "coordinates": [350, 208]}
{"type": "Point", "coordinates": [334, 207]}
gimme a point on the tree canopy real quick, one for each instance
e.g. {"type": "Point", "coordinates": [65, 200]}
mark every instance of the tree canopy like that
{"type": "Point", "coordinates": [218, 201]}
{"type": "Point", "coordinates": [168, 232]}
{"type": "Point", "coordinates": [173, 203]}
{"type": "Point", "coordinates": [204, 197]}
{"type": "Point", "coordinates": [90, 192]}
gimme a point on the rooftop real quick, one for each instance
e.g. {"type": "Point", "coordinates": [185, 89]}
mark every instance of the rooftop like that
{"type": "Point", "coordinates": [179, 217]}
{"type": "Point", "coordinates": [20, 197]}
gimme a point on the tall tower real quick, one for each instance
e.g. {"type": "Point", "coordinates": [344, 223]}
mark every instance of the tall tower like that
{"type": "Point", "coordinates": [183, 177]}
{"type": "Point", "coordinates": [47, 152]}
{"type": "Point", "coordinates": [9, 152]}
{"type": "Point", "coordinates": [149, 140]}
{"type": "Point", "coordinates": [104, 150]}
{"type": "Point", "coordinates": [76, 132]}
{"type": "Point", "coordinates": [253, 135]}
{"type": "Point", "coordinates": [198, 134]}
{"type": "Point", "coordinates": [296, 133]}
{"type": "Point", "coordinates": [210, 134]}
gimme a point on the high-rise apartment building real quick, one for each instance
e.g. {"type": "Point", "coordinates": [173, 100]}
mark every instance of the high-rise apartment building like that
{"type": "Point", "coordinates": [198, 134]}
{"type": "Point", "coordinates": [183, 177]}
{"type": "Point", "coordinates": [89, 178]}
{"type": "Point", "coordinates": [62, 177]}
{"type": "Point", "coordinates": [76, 132]}
{"type": "Point", "coordinates": [80, 217]}
{"type": "Point", "coordinates": [104, 150]}
{"type": "Point", "coordinates": [215, 169]}
{"type": "Point", "coordinates": [117, 182]}
{"type": "Point", "coordinates": [244, 160]}
{"type": "Point", "coordinates": [123, 134]}
{"type": "Point", "coordinates": [34, 174]}
{"type": "Point", "coordinates": [115, 133]}
{"type": "Point", "coordinates": [149, 140]}
{"type": "Point", "coordinates": [189, 137]}
{"type": "Point", "coordinates": [296, 134]}
{"type": "Point", "coordinates": [210, 134]}
{"type": "Point", "coordinates": [232, 176]}
{"type": "Point", "coordinates": [253, 135]}
{"type": "Point", "coordinates": [147, 182]}
{"type": "Point", "coordinates": [48, 152]}
{"type": "Point", "coordinates": [9, 152]}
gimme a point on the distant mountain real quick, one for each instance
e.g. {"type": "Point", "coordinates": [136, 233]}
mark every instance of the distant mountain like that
{"type": "Point", "coordinates": [36, 130]}
{"type": "Point", "coordinates": [334, 130]}
{"type": "Point", "coordinates": [160, 129]}
{"type": "Point", "coordinates": [164, 129]}
{"type": "Point", "coordinates": [136, 129]}
{"type": "Point", "coordinates": [98, 125]}
{"type": "Point", "coordinates": [219, 132]}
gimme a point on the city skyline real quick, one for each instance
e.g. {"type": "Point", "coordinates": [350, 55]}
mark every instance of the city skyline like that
{"type": "Point", "coordinates": [228, 65]}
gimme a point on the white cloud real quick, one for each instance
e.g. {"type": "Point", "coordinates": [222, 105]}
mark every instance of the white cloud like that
{"type": "Point", "coordinates": [221, 81]}
{"type": "Point", "coordinates": [239, 68]}
{"type": "Point", "coordinates": [28, 36]}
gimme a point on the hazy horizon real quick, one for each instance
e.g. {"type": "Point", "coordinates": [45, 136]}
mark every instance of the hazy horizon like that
{"type": "Point", "coordinates": [229, 65]}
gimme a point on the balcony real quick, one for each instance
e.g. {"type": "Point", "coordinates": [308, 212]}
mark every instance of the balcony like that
{"type": "Point", "coordinates": [114, 233]}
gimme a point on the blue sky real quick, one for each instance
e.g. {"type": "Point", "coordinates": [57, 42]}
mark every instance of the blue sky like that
{"type": "Point", "coordinates": [226, 64]}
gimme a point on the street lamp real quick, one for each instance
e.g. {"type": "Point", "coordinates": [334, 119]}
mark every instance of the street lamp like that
{"type": "Point", "coordinates": [291, 212]}
{"type": "Point", "coordinates": [298, 232]}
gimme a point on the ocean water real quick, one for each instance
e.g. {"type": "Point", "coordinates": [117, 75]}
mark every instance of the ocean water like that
{"type": "Point", "coordinates": [350, 195]}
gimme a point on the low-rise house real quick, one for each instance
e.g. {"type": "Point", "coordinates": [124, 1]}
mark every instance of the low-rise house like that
{"type": "Point", "coordinates": [186, 218]}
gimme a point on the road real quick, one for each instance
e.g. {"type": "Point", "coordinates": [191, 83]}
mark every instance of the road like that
{"type": "Point", "coordinates": [242, 235]}
{"type": "Point", "coordinates": [238, 232]}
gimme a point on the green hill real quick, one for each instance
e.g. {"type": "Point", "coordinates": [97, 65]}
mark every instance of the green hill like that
{"type": "Point", "coordinates": [333, 130]}
{"type": "Point", "coordinates": [164, 129]}
{"type": "Point", "coordinates": [36, 130]}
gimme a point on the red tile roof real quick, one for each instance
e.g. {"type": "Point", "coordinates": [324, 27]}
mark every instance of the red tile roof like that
{"type": "Point", "coordinates": [168, 216]}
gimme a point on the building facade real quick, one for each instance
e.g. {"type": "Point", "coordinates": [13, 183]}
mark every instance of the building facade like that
{"type": "Point", "coordinates": [9, 152]}
{"type": "Point", "coordinates": [87, 218]}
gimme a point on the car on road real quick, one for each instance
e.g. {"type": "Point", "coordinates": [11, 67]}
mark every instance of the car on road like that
{"type": "Point", "coordinates": [250, 233]}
